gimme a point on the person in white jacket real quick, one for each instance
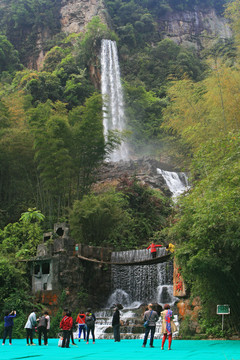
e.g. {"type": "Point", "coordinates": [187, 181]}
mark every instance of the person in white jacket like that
{"type": "Point", "coordinates": [29, 326]}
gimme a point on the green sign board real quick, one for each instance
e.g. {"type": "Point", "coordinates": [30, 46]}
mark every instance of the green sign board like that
{"type": "Point", "coordinates": [223, 309]}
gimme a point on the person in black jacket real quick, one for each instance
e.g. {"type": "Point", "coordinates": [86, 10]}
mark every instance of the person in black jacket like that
{"type": "Point", "coordinates": [116, 324]}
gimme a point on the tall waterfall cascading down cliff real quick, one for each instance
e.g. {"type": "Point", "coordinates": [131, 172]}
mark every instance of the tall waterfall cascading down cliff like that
{"type": "Point", "coordinates": [112, 94]}
{"type": "Point", "coordinates": [132, 285]}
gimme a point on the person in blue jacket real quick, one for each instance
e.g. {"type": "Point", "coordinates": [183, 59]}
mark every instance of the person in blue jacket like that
{"type": "Point", "coordinates": [8, 326]}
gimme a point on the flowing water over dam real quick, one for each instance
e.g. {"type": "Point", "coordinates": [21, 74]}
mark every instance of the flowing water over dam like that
{"type": "Point", "coordinates": [133, 286]}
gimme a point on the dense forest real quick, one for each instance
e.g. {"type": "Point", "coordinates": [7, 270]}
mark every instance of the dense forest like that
{"type": "Point", "coordinates": [179, 101]}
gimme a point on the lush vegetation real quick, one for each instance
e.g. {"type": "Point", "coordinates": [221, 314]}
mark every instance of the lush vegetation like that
{"type": "Point", "coordinates": [204, 116]}
{"type": "Point", "coordinates": [22, 20]}
{"type": "Point", "coordinates": [52, 144]}
{"type": "Point", "coordinates": [122, 218]}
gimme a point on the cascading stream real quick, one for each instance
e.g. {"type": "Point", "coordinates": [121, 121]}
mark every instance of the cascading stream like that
{"type": "Point", "coordinates": [176, 182]}
{"type": "Point", "coordinates": [112, 94]}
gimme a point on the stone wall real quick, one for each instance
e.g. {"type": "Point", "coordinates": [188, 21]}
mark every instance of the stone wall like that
{"type": "Point", "coordinates": [68, 272]}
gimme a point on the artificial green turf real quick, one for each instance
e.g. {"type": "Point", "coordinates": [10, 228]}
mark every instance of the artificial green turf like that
{"type": "Point", "coordinates": [126, 349]}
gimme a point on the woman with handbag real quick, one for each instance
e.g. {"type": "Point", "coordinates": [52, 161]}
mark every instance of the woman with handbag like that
{"type": "Point", "coordinates": [150, 319]}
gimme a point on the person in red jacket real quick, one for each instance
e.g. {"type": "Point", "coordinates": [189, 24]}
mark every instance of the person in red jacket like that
{"type": "Point", "coordinates": [81, 325]}
{"type": "Point", "coordinates": [66, 325]}
{"type": "Point", "coordinates": [153, 248]}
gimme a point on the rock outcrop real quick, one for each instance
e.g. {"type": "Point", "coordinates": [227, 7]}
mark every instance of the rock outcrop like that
{"type": "Point", "coordinates": [199, 28]}
{"type": "Point", "coordinates": [145, 170]}
{"type": "Point", "coordinates": [76, 14]}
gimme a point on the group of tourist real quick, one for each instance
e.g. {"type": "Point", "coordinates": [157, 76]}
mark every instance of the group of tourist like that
{"type": "Point", "coordinates": [86, 325]}
{"type": "Point", "coordinates": [168, 326]}
{"type": "Point", "coordinates": [85, 322]}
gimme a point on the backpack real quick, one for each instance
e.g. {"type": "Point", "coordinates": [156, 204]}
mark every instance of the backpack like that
{"type": "Point", "coordinates": [42, 321]}
{"type": "Point", "coordinates": [89, 321]}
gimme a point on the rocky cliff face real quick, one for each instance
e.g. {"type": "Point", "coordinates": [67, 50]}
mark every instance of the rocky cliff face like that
{"type": "Point", "coordinates": [76, 14]}
{"type": "Point", "coordinates": [145, 170]}
{"type": "Point", "coordinates": [199, 28]}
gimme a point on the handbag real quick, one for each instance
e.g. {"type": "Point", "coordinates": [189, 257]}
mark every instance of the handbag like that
{"type": "Point", "coordinates": [146, 323]}
{"type": "Point", "coordinates": [60, 341]}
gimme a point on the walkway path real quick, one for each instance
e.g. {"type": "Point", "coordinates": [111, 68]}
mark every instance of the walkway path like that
{"type": "Point", "coordinates": [149, 261]}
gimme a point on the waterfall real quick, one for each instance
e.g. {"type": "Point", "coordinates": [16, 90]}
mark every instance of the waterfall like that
{"type": "Point", "coordinates": [132, 286]}
{"type": "Point", "coordinates": [112, 94]}
{"type": "Point", "coordinates": [176, 182]}
{"type": "Point", "coordinates": [137, 284]}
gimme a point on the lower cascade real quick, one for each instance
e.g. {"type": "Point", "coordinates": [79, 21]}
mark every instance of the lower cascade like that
{"type": "Point", "coordinates": [176, 182]}
{"type": "Point", "coordinates": [133, 286]}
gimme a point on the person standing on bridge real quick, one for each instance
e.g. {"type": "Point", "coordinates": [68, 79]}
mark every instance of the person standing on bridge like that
{"type": "Point", "coordinates": [153, 247]}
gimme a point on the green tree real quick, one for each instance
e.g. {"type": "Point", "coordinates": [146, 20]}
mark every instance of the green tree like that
{"type": "Point", "coordinates": [125, 217]}
{"type": "Point", "coordinates": [51, 130]}
{"type": "Point", "coordinates": [32, 215]}
{"type": "Point", "coordinates": [88, 145]}
{"type": "Point", "coordinates": [9, 60]}
{"type": "Point", "coordinates": [206, 228]}
{"type": "Point", "coordinates": [94, 219]}
{"type": "Point", "coordinates": [20, 239]}
{"type": "Point", "coordinates": [144, 113]}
